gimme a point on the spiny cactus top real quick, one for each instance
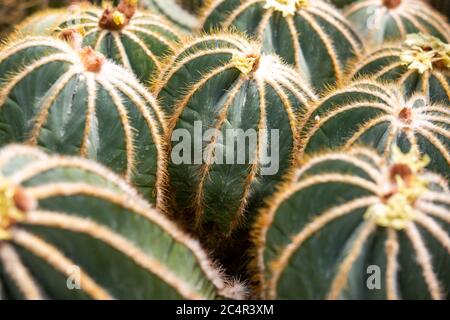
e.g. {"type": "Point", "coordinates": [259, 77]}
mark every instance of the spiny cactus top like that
{"type": "Point", "coordinates": [175, 13]}
{"type": "Point", "coordinates": [379, 21]}
{"type": "Point", "coordinates": [312, 35]}
{"type": "Point", "coordinates": [223, 82]}
{"type": "Point", "coordinates": [73, 101]}
{"type": "Point", "coordinates": [70, 229]}
{"type": "Point", "coordinates": [379, 115]}
{"type": "Point", "coordinates": [421, 64]}
{"type": "Point", "coordinates": [134, 39]}
{"type": "Point", "coordinates": [353, 214]}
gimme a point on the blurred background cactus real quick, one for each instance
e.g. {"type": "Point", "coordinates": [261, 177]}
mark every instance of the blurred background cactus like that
{"type": "Point", "coordinates": [442, 5]}
{"type": "Point", "coordinates": [13, 12]}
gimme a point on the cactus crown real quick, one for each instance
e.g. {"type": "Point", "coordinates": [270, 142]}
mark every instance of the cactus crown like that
{"type": "Point", "coordinates": [388, 197]}
{"type": "Point", "coordinates": [421, 64]}
{"type": "Point", "coordinates": [136, 40]}
{"type": "Point", "coordinates": [425, 52]}
{"type": "Point", "coordinates": [366, 110]}
{"type": "Point", "coordinates": [117, 18]}
{"type": "Point", "coordinates": [404, 187]}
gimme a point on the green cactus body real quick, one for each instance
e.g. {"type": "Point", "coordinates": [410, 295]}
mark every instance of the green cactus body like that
{"type": "Point", "coordinates": [173, 12]}
{"type": "Point", "coordinates": [64, 220]}
{"type": "Point", "coordinates": [352, 215]}
{"type": "Point", "coordinates": [138, 41]}
{"type": "Point", "coordinates": [379, 21]}
{"type": "Point", "coordinates": [312, 36]}
{"type": "Point", "coordinates": [222, 82]}
{"type": "Point", "coordinates": [406, 65]}
{"type": "Point", "coordinates": [378, 115]}
{"type": "Point", "coordinates": [74, 101]}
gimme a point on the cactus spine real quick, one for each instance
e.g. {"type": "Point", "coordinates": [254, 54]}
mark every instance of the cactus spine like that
{"type": "Point", "coordinates": [313, 36]}
{"type": "Point", "coordinates": [367, 112]}
{"type": "Point", "coordinates": [137, 40]}
{"type": "Point", "coordinates": [383, 211]}
{"type": "Point", "coordinates": [222, 81]}
{"type": "Point", "coordinates": [58, 212]}
{"type": "Point", "coordinates": [73, 101]}
{"type": "Point", "coordinates": [421, 64]}
{"type": "Point", "coordinates": [379, 21]}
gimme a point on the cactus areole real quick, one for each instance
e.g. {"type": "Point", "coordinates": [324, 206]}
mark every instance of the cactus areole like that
{"type": "Point", "coordinates": [117, 18]}
{"type": "Point", "coordinates": [392, 4]}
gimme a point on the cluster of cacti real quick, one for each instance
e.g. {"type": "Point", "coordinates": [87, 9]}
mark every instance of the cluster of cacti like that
{"type": "Point", "coordinates": [303, 145]}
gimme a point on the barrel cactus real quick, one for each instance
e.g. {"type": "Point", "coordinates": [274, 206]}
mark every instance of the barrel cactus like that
{"type": "Point", "coordinates": [137, 40]}
{"type": "Point", "coordinates": [71, 229]}
{"type": "Point", "coordinates": [172, 11]}
{"type": "Point", "coordinates": [421, 64]}
{"type": "Point", "coordinates": [350, 215]}
{"type": "Point", "coordinates": [312, 35]}
{"type": "Point", "coordinates": [252, 101]}
{"type": "Point", "coordinates": [74, 101]}
{"type": "Point", "coordinates": [379, 21]}
{"type": "Point", "coordinates": [367, 112]}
